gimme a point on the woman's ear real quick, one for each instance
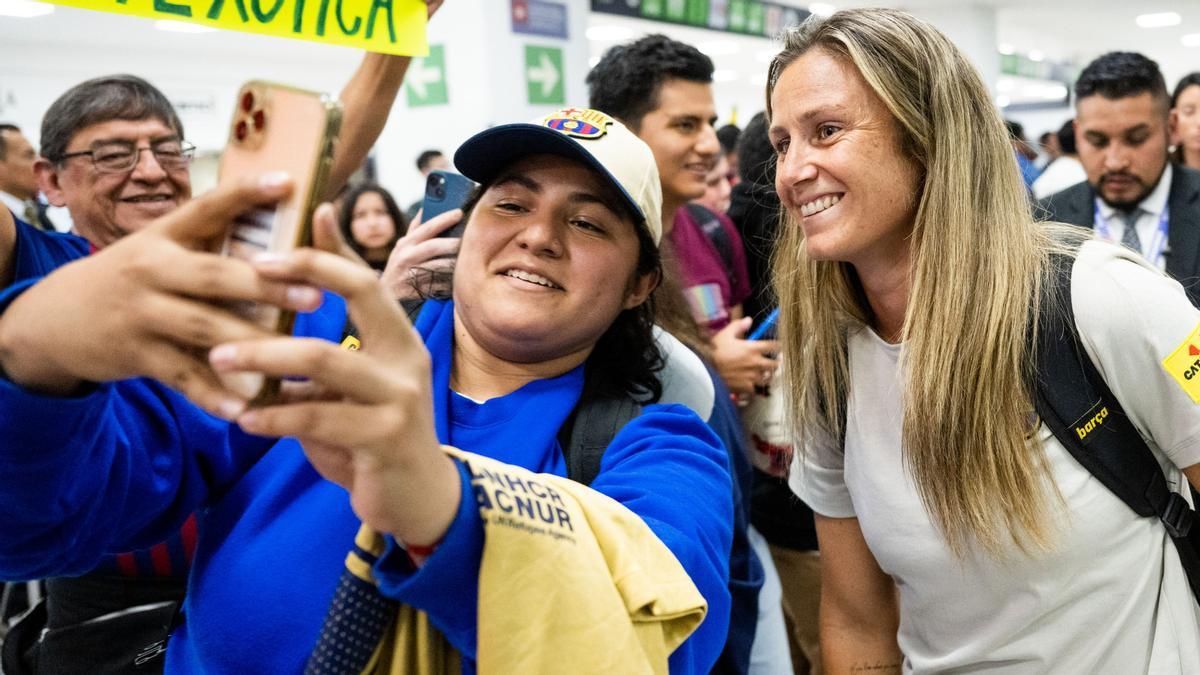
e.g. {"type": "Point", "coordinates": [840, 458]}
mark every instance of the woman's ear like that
{"type": "Point", "coordinates": [640, 288]}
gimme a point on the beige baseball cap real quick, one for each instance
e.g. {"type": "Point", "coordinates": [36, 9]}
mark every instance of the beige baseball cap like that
{"type": "Point", "coordinates": [589, 136]}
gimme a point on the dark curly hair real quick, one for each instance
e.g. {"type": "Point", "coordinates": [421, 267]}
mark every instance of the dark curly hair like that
{"type": "Point", "coordinates": [626, 359]}
{"type": "Point", "coordinates": [626, 81]}
{"type": "Point", "coordinates": [1121, 74]}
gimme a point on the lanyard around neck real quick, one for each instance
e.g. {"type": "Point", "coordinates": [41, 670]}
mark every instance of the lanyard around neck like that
{"type": "Point", "coordinates": [1158, 244]}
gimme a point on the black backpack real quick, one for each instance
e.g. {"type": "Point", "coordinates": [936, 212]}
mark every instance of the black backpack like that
{"type": "Point", "coordinates": [1079, 408]}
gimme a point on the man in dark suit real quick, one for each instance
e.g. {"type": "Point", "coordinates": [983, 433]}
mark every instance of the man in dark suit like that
{"type": "Point", "coordinates": [18, 182]}
{"type": "Point", "coordinates": [1133, 194]}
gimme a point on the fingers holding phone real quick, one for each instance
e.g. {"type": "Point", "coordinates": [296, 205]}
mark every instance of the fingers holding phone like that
{"type": "Point", "coordinates": [277, 128]}
{"type": "Point", "coordinates": [149, 305]}
{"type": "Point", "coordinates": [365, 418]}
{"type": "Point", "coordinates": [425, 250]}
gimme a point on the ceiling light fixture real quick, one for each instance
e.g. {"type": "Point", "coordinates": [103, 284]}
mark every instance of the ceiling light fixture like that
{"type": "Point", "coordinates": [719, 47]}
{"type": "Point", "coordinates": [609, 33]}
{"type": "Point", "coordinates": [1158, 20]}
{"type": "Point", "coordinates": [24, 9]}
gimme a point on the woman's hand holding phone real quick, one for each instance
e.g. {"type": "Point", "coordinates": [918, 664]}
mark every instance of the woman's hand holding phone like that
{"type": "Point", "coordinates": [743, 364]}
{"type": "Point", "coordinates": [422, 249]}
{"type": "Point", "coordinates": [364, 417]}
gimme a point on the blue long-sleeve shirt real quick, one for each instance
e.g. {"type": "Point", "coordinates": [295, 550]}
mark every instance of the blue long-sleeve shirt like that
{"type": "Point", "coordinates": [129, 461]}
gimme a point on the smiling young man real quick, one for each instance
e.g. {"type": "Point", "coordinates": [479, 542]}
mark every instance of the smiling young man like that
{"type": "Point", "coordinates": [1133, 195]}
{"type": "Point", "coordinates": [661, 89]}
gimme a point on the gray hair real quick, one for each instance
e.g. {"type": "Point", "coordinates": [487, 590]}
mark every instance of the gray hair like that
{"type": "Point", "coordinates": [113, 97]}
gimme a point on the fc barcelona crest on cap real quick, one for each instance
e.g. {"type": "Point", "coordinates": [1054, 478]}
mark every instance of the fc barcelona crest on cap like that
{"type": "Point", "coordinates": [587, 136]}
{"type": "Point", "coordinates": [579, 122]}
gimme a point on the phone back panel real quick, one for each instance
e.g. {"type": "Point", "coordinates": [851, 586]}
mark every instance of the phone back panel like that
{"type": "Point", "coordinates": [278, 128]}
{"type": "Point", "coordinates": [446, 191]}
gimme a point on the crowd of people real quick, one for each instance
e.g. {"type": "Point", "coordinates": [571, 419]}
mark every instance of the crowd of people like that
{"type": "Point", "coordinates": [862, 386]}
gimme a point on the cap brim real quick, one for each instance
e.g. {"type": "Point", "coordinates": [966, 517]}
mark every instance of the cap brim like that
{"type": "Point", "coordinates": [483, 156]}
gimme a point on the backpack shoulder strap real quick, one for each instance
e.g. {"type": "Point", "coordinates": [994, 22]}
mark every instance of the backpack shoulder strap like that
{"type": "Point", "coordinates": [714, 231]}
{"type": "Point", "coordinates": [589, 429]}
{"type": "Point", "coordinates": [1076, 404]}
{"type": "Point", "coordinates": [595, 421]}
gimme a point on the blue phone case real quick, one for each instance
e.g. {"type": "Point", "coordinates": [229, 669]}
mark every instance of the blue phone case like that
{"type": "Point", "coordinates": [766, 327]}
{"type": "Point", "coordinates": [445, 191]}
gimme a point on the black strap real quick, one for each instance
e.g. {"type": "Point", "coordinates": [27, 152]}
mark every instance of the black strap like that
{"type": "Point", "coordinates": [712, 228]}
{"type": "Point", "coordinates": [589, 429]}
{"type": "Point", "coordinates": [1077, 405]}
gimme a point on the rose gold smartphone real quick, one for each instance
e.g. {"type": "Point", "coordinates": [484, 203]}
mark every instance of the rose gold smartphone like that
{"type": "Point", "coordinates": [277, 128]}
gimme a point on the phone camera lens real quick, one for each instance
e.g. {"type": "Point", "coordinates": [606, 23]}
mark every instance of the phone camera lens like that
{"type": "Point", "coordinates": [436, 186]}
{"type": "Point", "coordinates": [242, 130]}
{"type": "Point", "coordinates": [248, 101]}
{"type": "Point", "coordinates": [260, 120]}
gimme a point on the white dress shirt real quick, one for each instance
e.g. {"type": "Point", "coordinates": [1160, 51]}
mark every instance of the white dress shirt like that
{"type": "Point", "coordinates": [1152, 208]}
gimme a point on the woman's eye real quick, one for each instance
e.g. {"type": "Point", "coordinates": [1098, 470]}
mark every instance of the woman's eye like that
{"type": "Point", "coordinates": [587, 225]}
{"type": "Point", "coordinates": [781, 146]}
{"type": "Point", "coordinates": [511, 207]}
{"type": "Point", "coordinates": [826, 130]}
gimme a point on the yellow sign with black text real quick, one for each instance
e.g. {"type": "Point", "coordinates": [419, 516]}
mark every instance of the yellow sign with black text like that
{"type": "Point", "coordinates": [1183, 364]}
{"type": "Point", "coordinates": [385, 26]}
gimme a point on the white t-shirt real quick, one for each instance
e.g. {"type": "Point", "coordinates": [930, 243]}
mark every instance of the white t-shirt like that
{"type": "Point", "coordinates": [1059, 175]}
{"type": "Point", "coordinates": [1112, 596]}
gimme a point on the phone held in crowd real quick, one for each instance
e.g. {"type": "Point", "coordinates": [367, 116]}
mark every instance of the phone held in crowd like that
{"type": "Point", "coordinates": [277, 128]}
{"type": "Point", "coordinates": [446, 191]}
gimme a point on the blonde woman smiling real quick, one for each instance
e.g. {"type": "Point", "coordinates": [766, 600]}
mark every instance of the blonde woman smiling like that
{"type": "Point", "coordinates": [954, 534]}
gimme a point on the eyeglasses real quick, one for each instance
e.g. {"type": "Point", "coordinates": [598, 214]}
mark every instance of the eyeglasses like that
{"type": "Point", "coordinates": [120, 157]}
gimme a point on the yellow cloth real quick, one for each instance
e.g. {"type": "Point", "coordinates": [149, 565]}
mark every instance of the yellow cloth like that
{"type": "Point", "coordinates": [570, 580]}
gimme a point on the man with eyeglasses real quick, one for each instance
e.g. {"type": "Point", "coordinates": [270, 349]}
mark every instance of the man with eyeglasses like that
{"type": "Point", "coordinates": [114, 154]}
{"type": "Point", "coordinates": [115, 175]}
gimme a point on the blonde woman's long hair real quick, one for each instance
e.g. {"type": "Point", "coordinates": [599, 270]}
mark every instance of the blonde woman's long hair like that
{"type": "Point", "coordinates": [977, 259]}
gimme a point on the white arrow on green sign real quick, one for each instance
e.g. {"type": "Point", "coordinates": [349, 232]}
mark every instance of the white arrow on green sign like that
{"type": "Point", "coordinates": [425, 80]}
{"type": "Point", "coordinates": [544, 75]}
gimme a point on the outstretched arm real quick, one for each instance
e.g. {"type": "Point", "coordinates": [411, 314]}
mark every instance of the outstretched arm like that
{"type": "Point", "coordinates": [367, 100]}
{"type": "Point", "coordinates": [89, 468]}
